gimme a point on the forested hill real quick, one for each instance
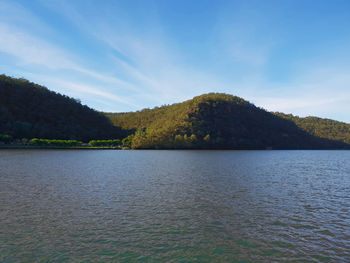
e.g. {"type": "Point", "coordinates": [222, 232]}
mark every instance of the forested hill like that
{"type": "Point", "coordinates": [324, 128]}
{"type": "Point", "coordinates": [217, 121]}
{"type": "Point", "coordinates": [212, 121]}
{"type": "Point", "coordinates": [28, 110]}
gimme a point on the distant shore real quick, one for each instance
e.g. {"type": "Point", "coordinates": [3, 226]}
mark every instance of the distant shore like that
{"type": "Point", "coordinates": [34, 147]}
{"type": "Point", "coordinates": [19, 147]}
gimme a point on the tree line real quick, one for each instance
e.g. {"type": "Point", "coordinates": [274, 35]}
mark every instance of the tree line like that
{"type": "Point", "coordinates": [7, 139]}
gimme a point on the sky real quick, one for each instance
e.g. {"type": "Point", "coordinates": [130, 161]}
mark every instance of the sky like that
{"type": "Point", "coordinates": [291, 56]}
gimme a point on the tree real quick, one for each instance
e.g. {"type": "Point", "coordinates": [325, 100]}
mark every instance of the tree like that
{"type": "Point", "coordinates": [127, 142]}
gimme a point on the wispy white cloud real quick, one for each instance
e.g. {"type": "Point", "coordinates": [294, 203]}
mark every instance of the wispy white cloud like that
{"type": "Point", "coordinates": [82, 90]}
{"type": "Point", "coordinates": [92, 90]}
{"type": "Point", "coordinates": [149, 59]}
{"type": "Point", "coordinates": [31, 50]}
{"type": "Point", "coordinates": [39, 55]}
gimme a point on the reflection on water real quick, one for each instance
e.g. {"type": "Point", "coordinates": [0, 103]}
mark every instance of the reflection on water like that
{"type": "Point", "coordinates": [175, 206]}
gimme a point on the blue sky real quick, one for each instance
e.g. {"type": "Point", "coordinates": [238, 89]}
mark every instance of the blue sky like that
{"type": "Point", "coordinates": [287, 55]}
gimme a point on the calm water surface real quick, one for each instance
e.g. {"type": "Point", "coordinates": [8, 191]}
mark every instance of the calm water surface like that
{"type": "Point", "coordinates": [174, 206]}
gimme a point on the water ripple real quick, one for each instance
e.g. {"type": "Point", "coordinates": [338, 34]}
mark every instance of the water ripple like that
{"type": "Point", "coordinates": [174, 206]}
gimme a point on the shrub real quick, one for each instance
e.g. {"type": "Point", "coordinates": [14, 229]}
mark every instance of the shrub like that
{"type": "Point", "coordinates": [5, 138]}
{"type": "Point", "coordinates": [46, 142]}
{"type": "Point", "coordinates": [114, 142]}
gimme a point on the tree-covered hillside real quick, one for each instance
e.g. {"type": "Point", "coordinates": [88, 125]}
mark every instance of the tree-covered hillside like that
{"type": "Point", "coordinates": [28, 110]}
{"type": "Point", "coordinates": [324, 128]}
{"type": "Point", "coordinates": [216, 120]}
{"type": "Point", "coordinates": [212, 121]}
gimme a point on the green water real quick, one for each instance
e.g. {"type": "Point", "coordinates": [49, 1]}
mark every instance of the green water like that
{"type": "Point", "coordinates": [174, 206]}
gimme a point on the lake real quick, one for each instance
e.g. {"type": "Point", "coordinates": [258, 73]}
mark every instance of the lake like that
{"type": "Point", "coordinates": [174, 206]}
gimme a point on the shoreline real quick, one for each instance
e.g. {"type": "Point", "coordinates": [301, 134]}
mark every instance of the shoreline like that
{"type": "Point", "coordinates": [29, 147]}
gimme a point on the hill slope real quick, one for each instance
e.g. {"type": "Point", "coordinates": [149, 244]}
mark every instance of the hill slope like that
{"type": "Point", "coordinates": [324, 128]}
{"type": "Point", "coordinates": [217, 120]}
{"type": "Point", "coordinates": [29, 110]}
{"type": "Point", "coordinates": [212, 120]}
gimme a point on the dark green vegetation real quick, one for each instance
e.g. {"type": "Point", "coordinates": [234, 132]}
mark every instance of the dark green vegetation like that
{"type": "Point", "coordinates": [210, 121]}
{"type": "Point", "coordinates": [5, 138]}
{"type": "Point", "coordinates": [46, 142]}
{"type": "Point", "coordinates": [218, 121]}
{"type": "Point", "coordinates": [74, 143]}
{"type": "Point", "coordinates": [28, 110]}
{"type": "Point", "coordinates": [324, 128]}
{"type": "Point", "coordinates": [6, 142]}
{"type": "Point", "coordinates": [115, 142]}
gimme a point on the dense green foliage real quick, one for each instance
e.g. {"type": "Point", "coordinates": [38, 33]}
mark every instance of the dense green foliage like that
{"type": "Point", "coordinates": [5, 138]}
{"type": "Point", "coordinates": [127, 141]}
{"type": "Point", "coordinates": [324, 128]}
{"type": "Point", "coordinates": [213, 120]}
{"type": "Point", "coordinates": [63, 143]}
{"type": "Point", "coordinates": [115, 142]}
{"type": "Point", "coordinates": [216, 120]}
{"type": "Point", "coordinates": [28, 110]}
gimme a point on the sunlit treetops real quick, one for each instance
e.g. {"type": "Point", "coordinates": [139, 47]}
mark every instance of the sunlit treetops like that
{"type": "Point", "coordinates": [210, 121]}
{"type": "Point", "coordinates": [216, 120]}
